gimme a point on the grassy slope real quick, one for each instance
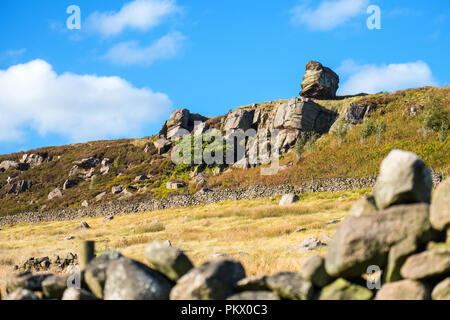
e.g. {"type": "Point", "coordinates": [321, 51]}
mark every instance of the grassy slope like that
{"type": "Point", "coordinates": [257, 232]}
{"type": "Point", "coordinates": [327, 159]}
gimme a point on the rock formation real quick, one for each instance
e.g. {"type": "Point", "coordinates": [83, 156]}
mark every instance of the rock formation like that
{"type": "Point", "coordinates": [319, 82]}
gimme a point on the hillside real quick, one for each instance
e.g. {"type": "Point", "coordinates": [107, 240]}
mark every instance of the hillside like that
{"type": "Point", "coordinates": [340, 143]}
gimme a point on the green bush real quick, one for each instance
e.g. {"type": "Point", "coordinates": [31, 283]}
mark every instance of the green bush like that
{"type": "Point", "coordinates": [367, 130]}
{"type": "Point", "coordinates": [435, 118]}
{"type": "Point", "coordinates": [380, 129]}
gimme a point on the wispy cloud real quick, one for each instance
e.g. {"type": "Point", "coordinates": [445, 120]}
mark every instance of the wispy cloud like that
{"type": "Point", "coordinates": [78, 107]}
{"type": "Point", "coordinates": [371, 78]}
{"type": "Point", "coordinates": [328, 14]}
{"type": "Point", "coordinates": [131, 53]}
{"type": "Point", "coordinates": [139, 15]}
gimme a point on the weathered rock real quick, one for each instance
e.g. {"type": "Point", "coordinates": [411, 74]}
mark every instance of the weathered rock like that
{"type": "Point", "coordinates": [127, 279]}
{"type": "Point", "coordinates": [117, 189]}
{"type": "Point", "coordinates": [403, 290]}
{"type": "Point", "coordinates": [211, 281]}
{"type": "Point", "coordinates": [107, 219]}
{"type": "Point", "coordinates": [162, 145]}
{"type": "Point", "coordinates": [85, 204]}
{"type": "Point", "coordinates": [170, 261]}
{"type": "Point", "coordinates": [33, 160]}
{"type": "Point", "coordinates": [54, 194]}
{"type": "Point", "coordinates": [19, 187]}
{"type": "Point", "coordinates": [403, 179]}
{"type": "Point", "coordinates": [350, 254]}
{"type": "Point", "coordinates": [319, 82]}
{"type": "Point", "coordinates": [95, 272]}
{"type": "Point", "coordinates": [355, 113]}
{"type": "Point", "coordinates": [239, 119]}
{"type": "Point", "coordinates": [77, 294]}
{"type": "Point", "coordinates": [53, 287]}
{"type": "Point", "coordinates": [141, 178]}
{"type": "Point", "coordinates": [306, 116]}
{"type": "Point", "coordinates": [442, 290]}
{"type": "Point", "coordinates": [290, 285]}
{"type": "Point", "coordinates": [341, 289]}
{"type": "Point", "coordinates": [365, 205]}
{"type": "Point", "coordinates": [8, 164]}
{"type": "Point", "coordinates": [175, 185]}
{"type": "Point", "coordinates": [22, 294]}
{"type": "Point", "coordinates": [440, 206]}
{"type": "Point", "coordinates": [68, 184]}
{"type": "Point", "coordinates": [25, 280]}
{"type": "Point", "coordinates": [105, 170]}
{"type": "Point", "coordinates": [313, 269]}
{"type": "Point", "coordinates": [397, 257]}
{"type": "Point", "coordinates": [308, 244]}
{"type": "Point", "coordinates": [254, 296]}
{"type": "Point", "coordinates": [100, 196]}
{"type": "Point", "coordinates": [428, 264]}
{"type": "Point", "coordinates": [87, 163]}
{"type": "Point", "coordinates": [181, 122]}
{"type": "Point", "coordinates": [288, 199]}
{"type": "Point", "coordinates": [83, 225]}
{"type": "Point", "coordinates": [255, 283]}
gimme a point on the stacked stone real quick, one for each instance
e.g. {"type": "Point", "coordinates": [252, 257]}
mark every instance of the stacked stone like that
{"type": "Point", "coordinates": [392, 247]}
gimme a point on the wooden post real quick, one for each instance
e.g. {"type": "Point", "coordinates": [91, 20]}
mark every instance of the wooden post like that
{"type": "Point", "coordinates": [87, 253]}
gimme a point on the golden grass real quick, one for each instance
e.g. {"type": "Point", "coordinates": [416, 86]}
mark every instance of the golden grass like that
{"type": "Point", "coordinates": [259, 233]}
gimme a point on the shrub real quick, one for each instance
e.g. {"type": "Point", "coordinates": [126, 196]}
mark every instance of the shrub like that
{"type": "Point", "coordinates": [306, 142]}
{"type": "Point", "coordinates": [380, 129]}
{"type": "Point", "coordinates": [367, 130]}
{"type": "Point", "coordinates": [435, 118]}
{"type": "Point", "coordinates": [341, 131]}
{"type": "Point", "coordinates": [443, 132]}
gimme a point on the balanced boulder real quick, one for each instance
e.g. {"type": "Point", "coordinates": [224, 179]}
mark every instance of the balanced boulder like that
{"type": "Point", "coordinates": [403, 290]}
{"type": "Point", "coordinates": [319, 82]}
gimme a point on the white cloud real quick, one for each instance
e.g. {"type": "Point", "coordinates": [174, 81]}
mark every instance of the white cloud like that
{"type": "Point", "coordinates": [328, 14]}
{"type": "Point", "coordinates": [78, 107]}
{"type": "Point", "coordinates": [138, 15]}
{"type": "Point", "coordinates": [130, 52]}
{"type": "Point", "coordinates": [371, 78]}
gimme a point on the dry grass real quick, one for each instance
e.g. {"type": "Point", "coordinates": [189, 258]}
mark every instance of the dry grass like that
{"type": "Point", "coordinates": [257, 232]}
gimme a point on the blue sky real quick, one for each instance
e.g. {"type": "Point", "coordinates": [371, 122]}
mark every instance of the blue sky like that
{"type": "Point", "coordinates": [133, 62]}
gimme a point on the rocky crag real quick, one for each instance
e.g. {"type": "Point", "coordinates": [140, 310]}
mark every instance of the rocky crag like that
{"type": "Point", "coordinates": [392, 246]}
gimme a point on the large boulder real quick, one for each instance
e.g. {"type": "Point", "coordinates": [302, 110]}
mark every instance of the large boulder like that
{"type": "Point", "coordinates": [364, 241]}
{"type": "Point", "coordinates": [55, 194]}
{"type": "Point", "coordinates": [95, 272]}
{"type": "Point", "coordinates": [397, 257]}
{"type": "Point", "coordinates": [170, 261]}
{"type": "Point", "coordinates": [211, 281]}
{"type": "Point", "coordinates": [127, 279]}
{"type": "Point", "coordinates": [288, 199]}
{"type": "Point", "coordinates": [162, 145]}
{"type": "Point", "coordinates": [304, 115]}
{"type": "Point", "coordinates": [429, 264]}
{"type": "Point", "coordinates": [442, 290]}
{"type": "Point", "coordinates": [18, 187]}
{"type": "Point", "coordinates": [440, 206]}
{"type": "Point", "coordinates": [319, 82]}
{"type": "Point", "coordinates": [342, 289]}
{"type": "Point", "coordinates": [33, 160]}
{"type": "Point", "coordinates": [403, 290]}
{"type": "Point", "coordinates": [290, 285]}
{"type": "Point", "coordinates": [53, 287]}
{"type": "Point", "coordinates": [87, 163]}
{"type": "Point", "coordinates": [22, 294]}
{"type": "Point", "coordinates": [181, 122]}
{"type": "Point", "coordinates": [77, 295]}
{"type": "Point", "coordinates": [239, 119]}
{"type": "Point", "coordinates": [355, 113]}
{"type": "Point", "coordinates": [25, 280]}
{"type": "Point", "coordinates": [313, 269]}
{"type": "Point", "coordinates": [8, 164]}
{"type": "Point", "coordinates": [403, 179]}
